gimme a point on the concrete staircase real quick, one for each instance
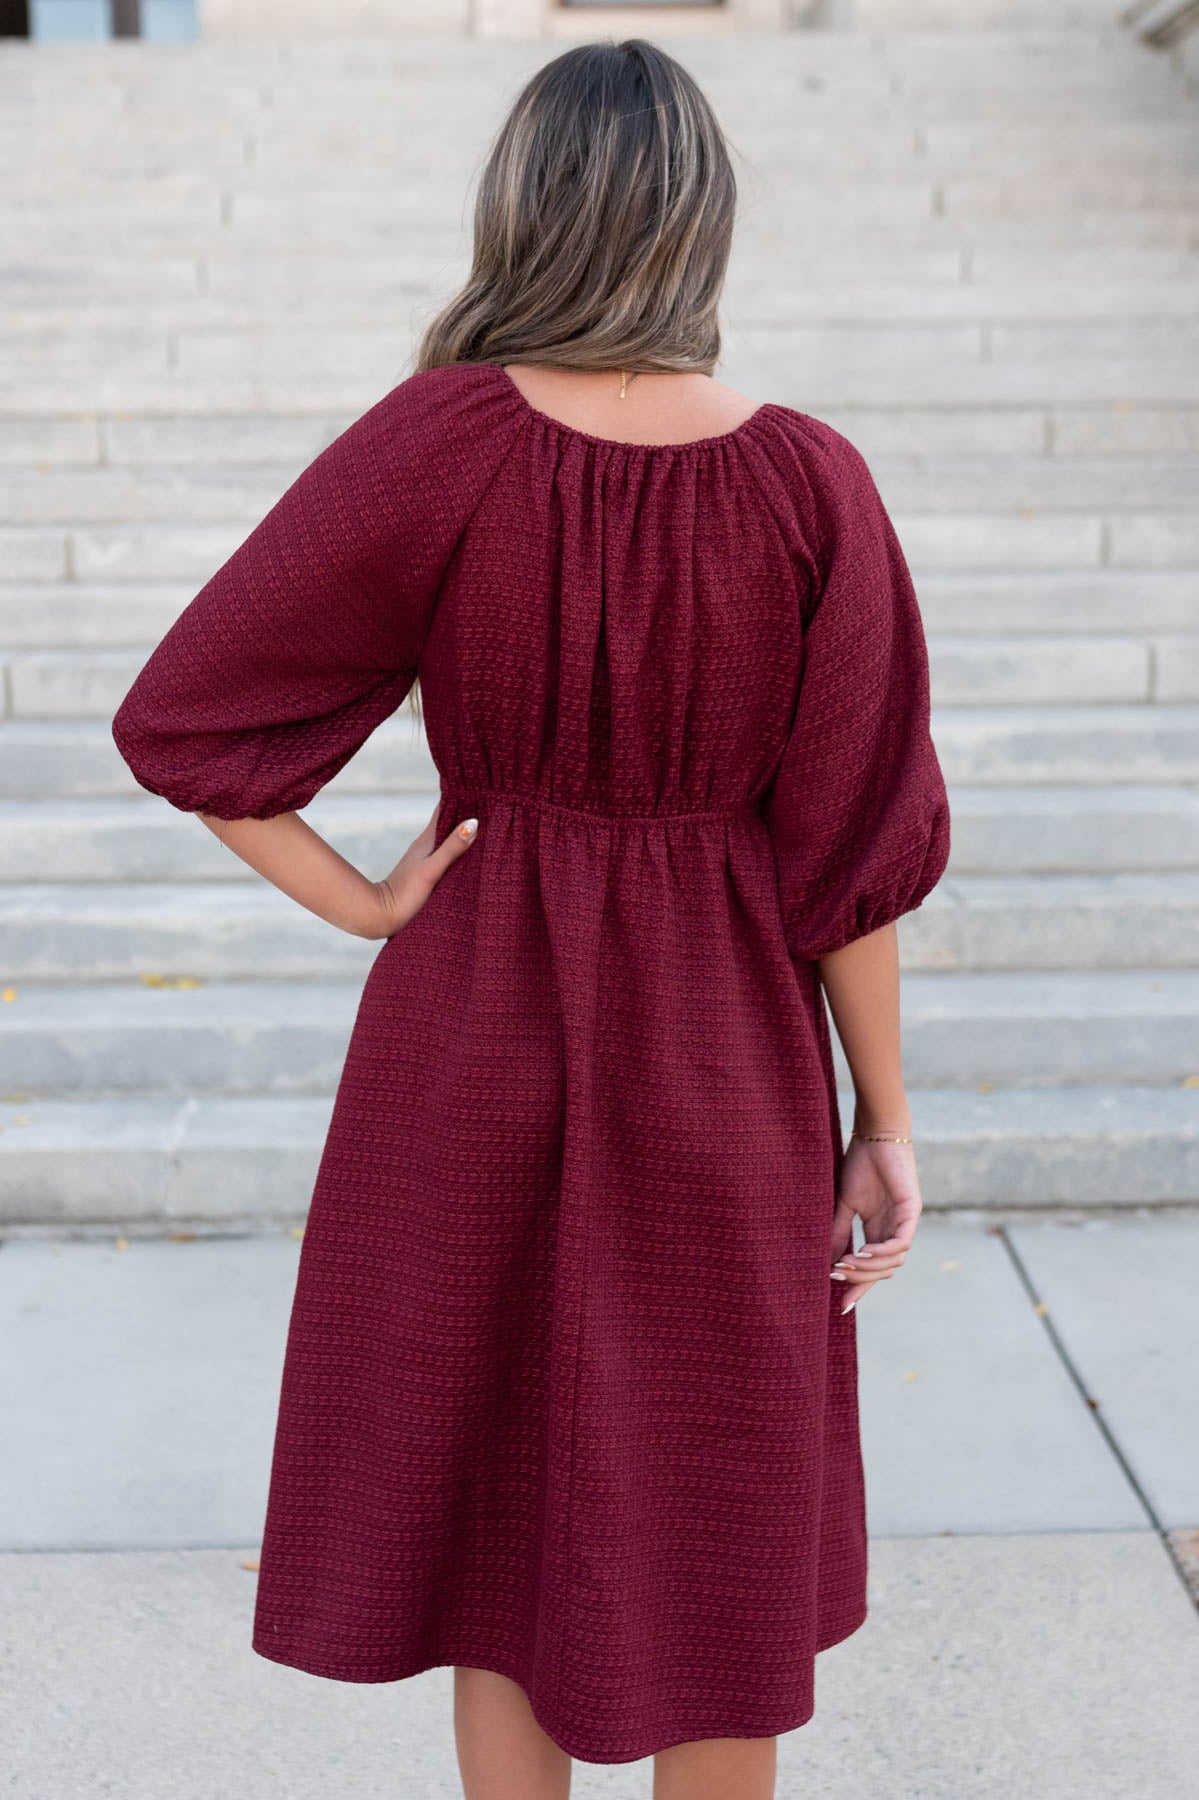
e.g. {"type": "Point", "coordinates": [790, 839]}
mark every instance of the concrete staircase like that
{"type": "Point", "coordinates": [976, 254]}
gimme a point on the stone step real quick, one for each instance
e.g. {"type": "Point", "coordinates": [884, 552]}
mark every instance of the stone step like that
{"type": "Point", "coordinates": [1019, 542]}
{"type": "Point", "coordinates": [324, 205]}
{"type": "Point", "coordinates": [226, 930]}
{"type": "Point", "coordinates": [981, 1031]}
{"type": "Point", "coordinates": [329, 371]}
{"type": "Point", "coordinates": [78, 758]}
{"type": "Point", "coordinates": [996, 831]}
{"type": "Point", "coordinates": [112, 1038]}
{"type": "Point", "coordinates": [1146, 159]}
{"type": "Point", "coordinates": [973, 78]}
{"type": "Point", "coordinates": [1027, 55]}
{"type": "Point", "coordinates": [1025, 922]}
{"type": "Point", "coordinates": [236, 219]}
{"type": "Point", "coordinates": [289, 436]}
{"type": "Point", "coordinates": [984, 669]}
{"type": "Point", "coordinates": [236, 280]}
{"type": "Point", "coordinates": [1048, 162]}
{"type": "Point", "coordinates": [73, 615]}
{"type": "Point", "coordinates": [987, 482]}
{"type": "Point", "coordinates": [789, 365]}
{"type": "Point", "coordinates": [1065, 830]}
{"type": "Point", "coordinates": [985, 148]}
{"type": "Point", "coordinates": [141, 494]}
{"type": "Point", "coordinates": [1094, 746]}
{"type": "Point", "coordinates": [919, 216]}
{"type": "Point", "coordinates": [1077, 603]}
{"type": "Point", "coordinates": [255, 1158]}
{"type": "Point", "coordinates": [143, 839]}
{"type": "Point", "coordinates": [176, 493]}
{"type": "Point", "coordinates": [1035, 282]}
{"type": "Point", "coordinates": [750, 294]}
{"type": "Point", "coordinates": [1141, 604]}
{"type": "Point", "coordinates": [1138, 1027]}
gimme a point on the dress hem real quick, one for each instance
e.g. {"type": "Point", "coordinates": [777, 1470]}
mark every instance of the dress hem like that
{"type": "Point", "coordinates": [498, 1665]}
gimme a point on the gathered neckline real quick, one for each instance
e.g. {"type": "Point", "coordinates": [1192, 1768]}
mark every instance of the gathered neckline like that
{"type": "Point", "coordinates": [590, 437]}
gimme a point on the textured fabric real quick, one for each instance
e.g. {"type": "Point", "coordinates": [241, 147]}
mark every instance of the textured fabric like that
{"type": "Point", "coordinates": [567, 1394]}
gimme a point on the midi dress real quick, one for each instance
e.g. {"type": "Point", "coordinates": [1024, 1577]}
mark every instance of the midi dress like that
{"type": "Point", "coordinates": [567, 1393]}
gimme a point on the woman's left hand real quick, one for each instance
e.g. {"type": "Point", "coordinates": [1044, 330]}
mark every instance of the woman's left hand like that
{"type": "Point", "coordinates": [879, 1186]}
{"type": "Point", "coordinates": [403, 892]}
{"type": "Point", "coordinates": [287, 852]}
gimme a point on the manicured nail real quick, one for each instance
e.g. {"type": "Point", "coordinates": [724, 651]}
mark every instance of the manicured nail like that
{"type": "Point", "coordinates": [863, 1253]}
{"type": "Point", "coordinates": [468, 828]}
{"type": "Point", "coordinates": [850, 1307]}
{"type": "Point", "coordinates": [837, 1275]}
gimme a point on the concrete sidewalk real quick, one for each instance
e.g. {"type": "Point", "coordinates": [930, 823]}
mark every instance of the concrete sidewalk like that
{"type": "Point", "coordinates": [1033, 1481]}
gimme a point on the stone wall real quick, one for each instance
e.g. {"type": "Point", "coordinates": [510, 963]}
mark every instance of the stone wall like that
{"type": "Point", "coordinates": [334, 18]}
{"type": "Point", "coordinates": [975, 15]}
{"type": "Point", "coordinates": [490, 18]}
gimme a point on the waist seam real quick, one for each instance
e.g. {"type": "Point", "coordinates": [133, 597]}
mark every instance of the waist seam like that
{"type": "Point", "coordinates": [744, 809]}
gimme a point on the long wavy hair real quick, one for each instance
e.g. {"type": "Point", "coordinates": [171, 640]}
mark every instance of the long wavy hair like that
{"type": "Point", "coordinates": [603, 223]}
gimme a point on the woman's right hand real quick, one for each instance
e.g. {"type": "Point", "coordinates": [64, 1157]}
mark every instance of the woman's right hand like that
{"type": "Point", "coordinates": [403, 892]}
{"type": "Point", "coordinates": [879, 1186]}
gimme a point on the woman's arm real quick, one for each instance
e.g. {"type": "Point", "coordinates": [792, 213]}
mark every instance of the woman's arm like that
{"type": "Point", "coordinates": [862, 984]}
{"type": "Point", "coordinates": [878, 1180]}
{"type": "Point", "coordinates": [297, 860]}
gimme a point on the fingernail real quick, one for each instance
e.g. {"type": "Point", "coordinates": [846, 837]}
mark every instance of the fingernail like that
{"type": "Point", "coordinates": [850, 1307]}
{"type": "Point", "coordinates": [837, 1275]}
{"type": "Point", "coordinates": [468, 828]}
{"type": "Point", "coordinates": [842, 1263]}
{"type": "Point", "coordinates": [863, 1252]}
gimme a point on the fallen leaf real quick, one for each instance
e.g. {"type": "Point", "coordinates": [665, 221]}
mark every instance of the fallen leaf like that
{"type": "Point", "coordinates": [913, 1374]}
{"type": "Point", "coordinates": [252, 1564]}
{"type": "Point", "coordinates": [1190, 1081]}
{"type": "Point", "coordinates": [21, 1119]}
{"type": "Point", "coordinates": [181, 1237]}
{"type": "Point", "coordinates": [949, 1265]}
{"type": "Point", "coordinates": [121, 1244]}
{"type": "Point", "coordinates": [984, 1087]}
{"type": "Point", "coordinates": [295, 1231]}
{"type": "Point", "coordinates": [1040, 1309]}
{"type": "Point", "coordinates": [9, 994]}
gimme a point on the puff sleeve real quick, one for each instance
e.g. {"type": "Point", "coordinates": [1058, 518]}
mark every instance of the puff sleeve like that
{"type": "Point", "coordinates": [857, 807]}
{"type": "Point", "coordinates": [309, 636]}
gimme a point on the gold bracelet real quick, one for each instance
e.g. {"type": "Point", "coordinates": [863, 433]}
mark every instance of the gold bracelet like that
{"type": "Point", "coordinates": [877, 1138]}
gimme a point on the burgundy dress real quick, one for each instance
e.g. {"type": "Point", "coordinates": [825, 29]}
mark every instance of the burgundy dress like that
{"type": "Point", "coordinates": [567, 1393]}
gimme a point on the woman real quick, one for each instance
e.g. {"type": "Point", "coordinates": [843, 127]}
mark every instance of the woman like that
{"type": "Point", "coordinates": [569, 1395]}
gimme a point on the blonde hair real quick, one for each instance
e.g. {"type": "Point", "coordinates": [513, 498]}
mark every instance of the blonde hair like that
{"type": "Point", "coordinates": [603, 224]}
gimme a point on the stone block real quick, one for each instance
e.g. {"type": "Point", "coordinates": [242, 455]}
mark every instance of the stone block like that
{"type": "Point", "coordinates": [996, 670]}
{"type": "Point", "coordinates": [1176, 665]}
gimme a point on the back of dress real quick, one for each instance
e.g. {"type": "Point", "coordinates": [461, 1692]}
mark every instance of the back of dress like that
{"type": "Point", "coordinates": [567, 1393]}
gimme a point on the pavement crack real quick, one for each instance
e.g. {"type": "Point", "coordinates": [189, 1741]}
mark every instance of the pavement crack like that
{"type": "Point", "coordinates": [1094, 1408]}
